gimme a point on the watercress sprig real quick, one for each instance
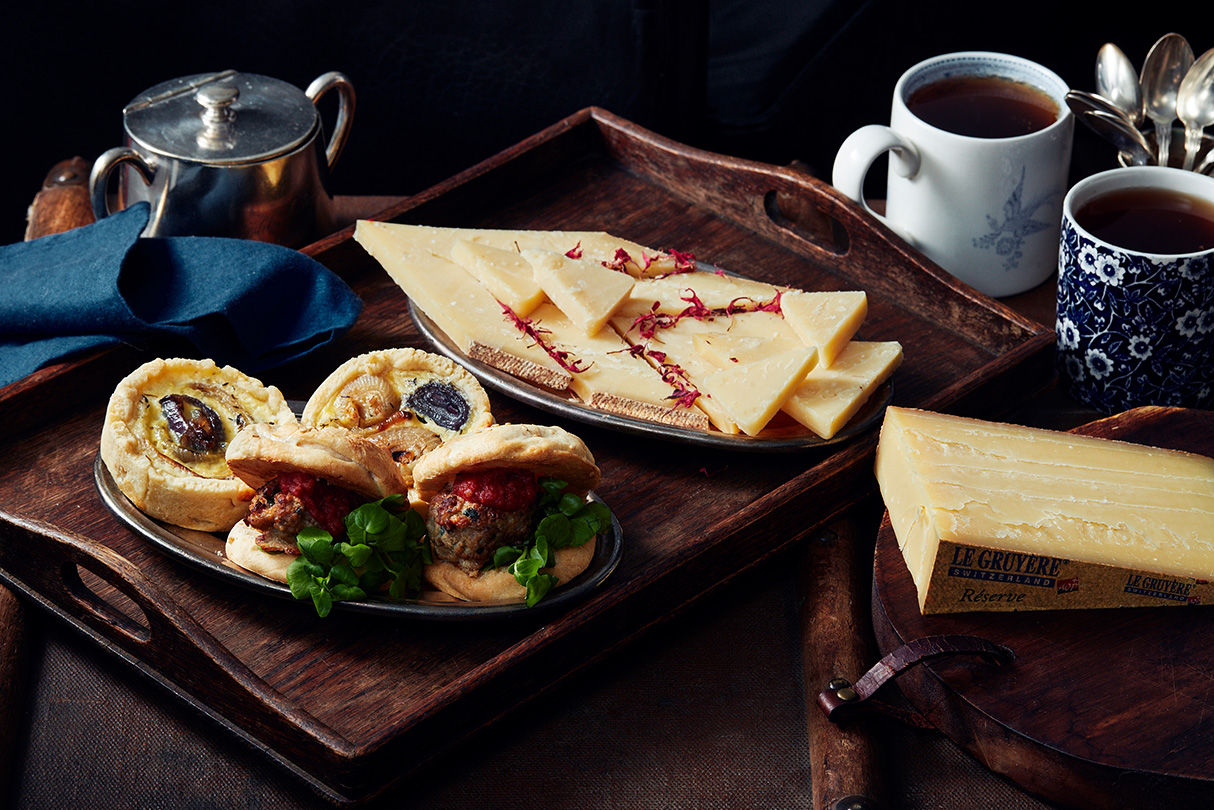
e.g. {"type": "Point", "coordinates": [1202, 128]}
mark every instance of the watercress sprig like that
{"type": "Point", "coordinates": [566, 521]}
{"type": "Point", "coordinates": [385, 544]}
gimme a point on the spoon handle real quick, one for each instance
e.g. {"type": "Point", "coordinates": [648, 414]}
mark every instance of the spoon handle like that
{"type": "Point", "coordinates": [1192, 142]}
{"type": "Point", "coordinates": [1163, 141]}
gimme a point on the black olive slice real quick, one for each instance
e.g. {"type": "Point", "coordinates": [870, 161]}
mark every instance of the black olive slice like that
{"type": "Point", "coordinates": [442, 403]}
{"type": "Point", "coordinates": [194, 425]}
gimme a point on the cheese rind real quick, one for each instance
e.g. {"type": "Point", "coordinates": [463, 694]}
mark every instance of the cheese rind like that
{"type": "Point", "coordinates": [992, 516]}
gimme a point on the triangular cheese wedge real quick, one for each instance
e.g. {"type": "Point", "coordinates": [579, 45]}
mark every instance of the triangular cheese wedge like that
{"type": "Point", "coordinates": [460, 306]}
{"type": "Point", "coordinates": [725, 349]}
{"type": "Point", "coordinates": [752, 394]}
{"type": "Point", "coordinates": [504, 272]}
{"type": "Point", "coordinates": [829, 397]}
{"type": "Point", "coordinates": [585, 291]}
{"type": "Point", "coordinates": [825, 319]}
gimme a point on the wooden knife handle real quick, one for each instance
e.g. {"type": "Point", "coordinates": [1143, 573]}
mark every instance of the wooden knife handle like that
{"type": "Point", "coordinates": [63, 203]}
{"type": "Point", "coordinates": [837, 642]}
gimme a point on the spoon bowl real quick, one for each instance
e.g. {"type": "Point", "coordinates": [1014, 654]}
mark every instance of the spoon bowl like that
{"type": "Point", "coordinates": [1165, 67]}
{"type": "Point", "coordinates": [1117, 81]}
{"type": "Point", "coordinates": [1195, 103]}
{"type": "Point", "coordinates": [1123, 135]}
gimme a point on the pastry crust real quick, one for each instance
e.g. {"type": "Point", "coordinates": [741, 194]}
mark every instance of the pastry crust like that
{"type": "Point", "coordinates": [406, 400]}
{"type": "Point", "coordinates": [261, 452]}
{"type": "Point", "coordinates": [241, 549]}
{"type": "Point", "coordinates": [150, 465]}
{"type": "Point", "coordinates": [545, 450]}
{"type": "Point", "coordinates": [497, 585]}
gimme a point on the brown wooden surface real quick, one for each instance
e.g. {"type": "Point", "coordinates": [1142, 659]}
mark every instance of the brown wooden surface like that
{"type": "Point", "coordinates": [1102, 708]}
{"type": "Point", "coordinates": [846, 759]}
{"type": "Point", "coordinates": [360, 703]}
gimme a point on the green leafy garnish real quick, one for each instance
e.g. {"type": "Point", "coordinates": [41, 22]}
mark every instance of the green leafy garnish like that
{"type": "Point", "coordinates": [385, 545]}
{"type": "Point", "coordinates": [565, 521]}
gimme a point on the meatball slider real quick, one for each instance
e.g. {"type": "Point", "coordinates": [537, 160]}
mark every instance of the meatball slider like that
{"type": "Point", "coordinates": [495, 498]}
{"type": "Point", "coordinates": [304, 477]}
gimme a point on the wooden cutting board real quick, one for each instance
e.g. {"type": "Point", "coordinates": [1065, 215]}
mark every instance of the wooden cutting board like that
{"type": "Point", "coordinates": [1101, 708]}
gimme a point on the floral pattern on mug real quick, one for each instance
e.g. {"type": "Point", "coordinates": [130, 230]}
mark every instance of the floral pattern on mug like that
{"type": "Point", "coordinates": [1134, 330]}
{"type": "Point", "coordinates": [1007, 237]}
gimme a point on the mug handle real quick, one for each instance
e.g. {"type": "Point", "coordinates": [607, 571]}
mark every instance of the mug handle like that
{"type": "Point", "coordinates": [100, 175]}
{"type": "Point", "coordinates": [345, 109]}
{"type": "Point", "coordinates": [857, 154]}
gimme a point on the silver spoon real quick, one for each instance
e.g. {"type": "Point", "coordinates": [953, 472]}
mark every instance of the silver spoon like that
{"type": "Point", "coordinates": [1121, 133]}
{"type": "Point", "coordinates": [1195, 104]}
{"type": "Point", "coordinates": [1080, 101]}
{"type": "Point", "coordinates": [1117, 81]}
{"type": "Point", "coordinates": [1167, 63]}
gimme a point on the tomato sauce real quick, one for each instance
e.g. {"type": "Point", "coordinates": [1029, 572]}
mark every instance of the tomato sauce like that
{"type": "Point", "coordinates": [507, 490]}
{"type": "Point", "coordinates": [326, 503]}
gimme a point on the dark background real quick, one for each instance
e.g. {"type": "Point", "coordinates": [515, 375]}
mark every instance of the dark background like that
{"type": "Point", "coordinates": [443, 84]}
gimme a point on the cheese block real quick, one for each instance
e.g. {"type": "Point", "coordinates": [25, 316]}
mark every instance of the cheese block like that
{"type": "Point", "coordinates": [829, 397]}
{"type": "Point", "coordinates": [505, 273]}
{"type": "Point", "coordinates": [752, 393]}
{"type": "Point", "coordinates": [827, 320]}
{"type": "Point", "coordinates": [460, 306]}
{"type": "Point", "coordinates": [586, 291]}
{"type": "Point", "coordinates": [613, 379]}
{"type": "Point", "coordinates": [992, 516]}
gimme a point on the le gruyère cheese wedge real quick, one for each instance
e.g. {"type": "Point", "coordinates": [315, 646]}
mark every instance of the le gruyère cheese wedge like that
{"type": "Point", "coordinates": [992, 516]}
{"type": "Point", "coordinates": [827, 320]}
{"type": "Point", "coordinates": [612, 378]}
{"type": "Point", "coordinates": [673, 293]}
{"type": "Point", "coordinates": [505, 273]}
{"type": "Point", "coordinates": [752, 393]}
{"type": "Point", "coordinates": [587, 292]}
{"type": "Point", "coordinates": [460, 306]}
{"type": "Point", "coordinates": [830, 396]}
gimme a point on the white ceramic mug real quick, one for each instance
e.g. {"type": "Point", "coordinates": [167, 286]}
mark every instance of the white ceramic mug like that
{"type": "Point", "coordinates": [986, 210]}
{"type": "Point", "coordinates": [1135, 327]}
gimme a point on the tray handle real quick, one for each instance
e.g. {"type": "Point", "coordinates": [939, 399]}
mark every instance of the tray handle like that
{"type": "Point", "coordinates": [68, 575]}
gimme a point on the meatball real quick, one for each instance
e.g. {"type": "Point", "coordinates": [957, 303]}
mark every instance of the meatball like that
{"type": "Point", "coordinates": [466, 533]}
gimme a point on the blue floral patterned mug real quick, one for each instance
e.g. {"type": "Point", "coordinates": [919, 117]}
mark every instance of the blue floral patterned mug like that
{"type": "Point", "coordinates": [1134, 327]}
{"type": "Point", "coordinates": [985, 207]}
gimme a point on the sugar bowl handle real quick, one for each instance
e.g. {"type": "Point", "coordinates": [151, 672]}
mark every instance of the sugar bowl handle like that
{"type": "Point", "coordinates": [100, 176]}
{"type": "Point", "coordinates": [345, 109]}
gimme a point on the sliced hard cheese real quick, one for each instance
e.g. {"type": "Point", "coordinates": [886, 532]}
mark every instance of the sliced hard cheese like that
{"type": "Point", "coordinates": [825, 319]}
{"type": "Point", "coordinates": [460, 306]}
{"type": "Point", "coordinates": [588, 293]}
{"type": "Point", "coordinates": [726, 349]}
{"type": "Point", "coordinates": [612, 378]}
{"type": "Point", "coordinates": [674, 293]}
{"type": "Point", "coordinates": [752, 393]}
{"type": "Point", "coordinates": [999, 517]}
{"type": "Point", "coordinates": [505, 273]}
{"type": "Point", "coordinates": [829, 397]}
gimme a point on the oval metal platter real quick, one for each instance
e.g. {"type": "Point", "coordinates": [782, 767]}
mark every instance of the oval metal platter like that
{"type": "Point", "coordinates": [785, 439]}
{"type": "Point", "coordinates": [205, 551]}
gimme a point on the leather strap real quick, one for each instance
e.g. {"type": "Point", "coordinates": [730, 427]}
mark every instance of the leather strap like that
{"type": "Point", "coordinates": [841, 697]}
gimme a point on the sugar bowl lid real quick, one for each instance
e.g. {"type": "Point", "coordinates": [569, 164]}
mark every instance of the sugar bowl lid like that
{"type": "Point", "coordinates": [223, 118]}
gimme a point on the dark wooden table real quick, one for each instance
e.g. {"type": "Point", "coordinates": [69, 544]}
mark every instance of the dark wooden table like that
{"type": "Point", "coordinates": [706, 709]}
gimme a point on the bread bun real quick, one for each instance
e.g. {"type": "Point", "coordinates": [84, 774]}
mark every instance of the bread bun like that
{"type": "Point", "coordinates": [545, 450]}
{"type": "Point", "coordinates": [261, 452]}
{"type": "Point", "coordinates": [406, 400]}
{"type": "Point", "coordinates": [183, 478]}
{"type": "Point", "coordinates": [497, 585]}
{"type": "Point", "coordinates": [241, 549]}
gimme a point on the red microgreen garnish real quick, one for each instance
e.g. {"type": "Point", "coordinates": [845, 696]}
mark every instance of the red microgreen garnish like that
{"type": "Point", "coordinates": [538, 335]}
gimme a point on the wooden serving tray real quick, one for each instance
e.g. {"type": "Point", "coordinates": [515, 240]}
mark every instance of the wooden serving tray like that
{"type": "Point", "coordinates": [1101, 708]}
{"type": "Point", "coordinates": [353, 703]}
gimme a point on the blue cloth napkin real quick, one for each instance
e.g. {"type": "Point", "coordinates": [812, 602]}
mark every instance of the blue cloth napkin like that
{"type": "Point", "coordinates": [247, 304]}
